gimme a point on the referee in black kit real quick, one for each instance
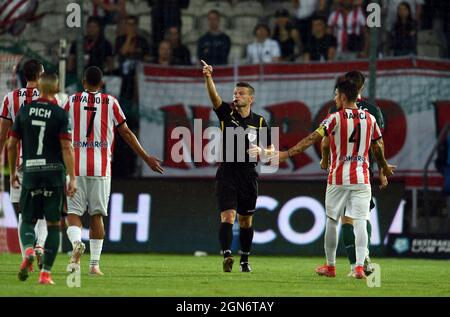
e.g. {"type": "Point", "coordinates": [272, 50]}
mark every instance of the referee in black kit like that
{"type": "Point", "coordinates": [237, 179]}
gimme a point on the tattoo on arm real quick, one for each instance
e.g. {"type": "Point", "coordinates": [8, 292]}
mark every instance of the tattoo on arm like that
{"type": "Point", "coordinates": [377, 151]}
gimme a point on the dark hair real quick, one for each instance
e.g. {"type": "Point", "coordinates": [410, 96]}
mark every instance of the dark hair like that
{"type": "Point", "coordinates": [93, 76]}
{"type": "Point", "coordinates": [246, 85]}
{"type": "Point", "coordinates": [94, 19]}
{"type": "Point", "coordinates": [409, 19]}
{"type": "Point", "coordinates": [132, 17]}
{"type": "Point", "coordinates": [261, 25]}
{"type": "Point", "coordinates": [349, 89]}
{"type": "Point", "coordinates": [319, 17]}
{"type": "Point", "coordinates": [357, 77]}
{"type": "Point", "coordinates": [214, 11]}
{"type": "Point", "coordinates": [32, 69]}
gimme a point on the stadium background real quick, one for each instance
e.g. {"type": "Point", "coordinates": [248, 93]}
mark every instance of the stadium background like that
{"type": "Point", "coordinates": [176, 213]}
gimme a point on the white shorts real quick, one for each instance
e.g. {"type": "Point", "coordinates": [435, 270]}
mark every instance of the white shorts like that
{"type": "Point", "coordinates": [351, 200]}
{"type": "Point", "coordinates": [92, 195]}
{"type": "Point", "coordinates": [14, 193]}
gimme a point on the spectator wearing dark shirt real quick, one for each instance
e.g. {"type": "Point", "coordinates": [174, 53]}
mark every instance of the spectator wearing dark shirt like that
{"type": "Point", "coordinates": [165, 54]}
{"type": "Point", "coordinates": [97, 49]}
{"type": "Point", "coordinates": [214, 46]}
{"type": "Point", "coordinates": [165, 13]}
{"type": "Point", "coordinates": [321, 46]}
{"type": "Point", "coordinates": [131, 49]}
{"type": "Point", "coordinates": [286, 35]}
{"type": "Point", "coordinates": [180, 53]}
{"type": "Point", "coordinates": [404, 32]}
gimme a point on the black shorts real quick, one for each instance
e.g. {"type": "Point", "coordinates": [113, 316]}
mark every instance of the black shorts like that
{"type": "Point", "coordinates": [237, 189]}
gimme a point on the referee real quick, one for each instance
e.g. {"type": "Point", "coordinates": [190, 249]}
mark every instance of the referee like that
{"type": "Point", "coordinates": [237, 180]}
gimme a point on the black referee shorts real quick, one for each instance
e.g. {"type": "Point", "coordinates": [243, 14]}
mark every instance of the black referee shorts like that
{"type": "Point", "coordinates": [237, 189]}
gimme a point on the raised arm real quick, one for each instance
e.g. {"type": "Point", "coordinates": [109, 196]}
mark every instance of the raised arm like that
{"type": "Point", "coordinates": [301, 146]}
{"type": "Point", "coordinates": [210, 87]}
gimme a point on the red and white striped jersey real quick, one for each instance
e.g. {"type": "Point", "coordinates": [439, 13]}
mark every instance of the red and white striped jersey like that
{"type": "Point", "coordinates": [94, 117]}
{"type": "Point", "coordinates": [344, 25]}
{"type": "Point", "coordinates": [351, 132]}
{"type": "Point", "coordinates": [11, 105]}
{"type": "Point", "coordinates": [16, 99]}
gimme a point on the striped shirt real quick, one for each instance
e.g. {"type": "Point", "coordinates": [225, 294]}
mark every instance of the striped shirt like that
{"type": "Point", "coordinates": [94, 117]}
{"type": "Point", "coordinates": [11, 105]}
{"type": "Point", "coordinates": [351, 132]}
{"type": "Point", "coordinates": [344, 25]}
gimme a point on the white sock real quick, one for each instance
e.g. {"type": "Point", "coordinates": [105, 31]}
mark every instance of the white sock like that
{"type": "Point", "coordinates": [361, 239]}
{"type": "Point", "coordinates": [74, 234]}
{"type": "Point", "coordinates": [19, 224]}
{"type": "Point", "coordinates": [96, 250]}
{"type": "Point", "coordinates": [331, 239]}
{"type": "Point", "coordinates": [41, 232]}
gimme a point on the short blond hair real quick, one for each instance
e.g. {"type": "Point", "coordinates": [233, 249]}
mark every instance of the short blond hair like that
{"type": "Point", "coordinates": [48, 83]}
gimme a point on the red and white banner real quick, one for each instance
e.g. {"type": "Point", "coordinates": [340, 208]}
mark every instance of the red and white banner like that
{"type": "Point", "coordinates": [414, 95]}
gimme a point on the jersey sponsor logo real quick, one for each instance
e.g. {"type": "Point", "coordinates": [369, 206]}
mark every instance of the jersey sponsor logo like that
{"type": "Point", "coordinates": [46, 193]}
{"type": "Point", "coordinates": [350, 158]}
{"type": "Point", "coordinates": [36, 162]}
{"type": "Point", "coordinates": [90, 144]}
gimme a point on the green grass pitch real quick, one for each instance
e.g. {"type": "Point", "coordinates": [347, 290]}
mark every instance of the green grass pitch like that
{"type": "Point", "coordinates": [190, 276]}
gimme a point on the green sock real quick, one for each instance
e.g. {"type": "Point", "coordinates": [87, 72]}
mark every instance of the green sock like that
{"type": "Point", "coordinates": [51, 247]}
{"type": "Point", "coordinates": [369, 233]}
{"type": "Point", "coordinates": [27, 235]}
{"type": "Point", "coordinates": [349, 242]}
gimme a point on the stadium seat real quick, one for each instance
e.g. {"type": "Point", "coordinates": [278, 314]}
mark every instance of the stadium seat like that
{"type": "Point", "coordinates": [38, 47]}
{"type": "Point", "coordinates": [202, 23]}
{"type": "Point", "coordinates": [145, 22]}
{"type": "Point", "coordinates": [192, 37]}
{"type": "Point", "coordinates": [272, 6]}
{"type": "Point", "coordinates": [189, 23]}
{"type": "Point", "coordinates": [237, 53]}
{"type": "Point", "coordinates": [429, 50]}
{"type": "Point", "coordinates": [249, 8]}
{"type": "Point", "coordinates": [240, 38]}
{"type": "Point", "coordinates": [245, 23]}
{"type": "Point", "coordinates": [427, 37]}
{"type": "Point", "coordinates": [194, 9]}
{"type": "Point", "coordinates": [224, 8]}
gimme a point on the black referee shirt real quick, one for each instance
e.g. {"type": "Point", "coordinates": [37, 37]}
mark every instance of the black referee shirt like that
{"type": "Point", "coordinates": [230, 118]}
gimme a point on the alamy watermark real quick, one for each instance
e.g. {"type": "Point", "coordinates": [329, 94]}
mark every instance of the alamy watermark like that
{"type": "Point", "coordinates": [190, 148]}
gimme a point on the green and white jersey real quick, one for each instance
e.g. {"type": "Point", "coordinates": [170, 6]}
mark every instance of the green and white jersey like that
{"type": "Point", "coordinates": [40, 125]}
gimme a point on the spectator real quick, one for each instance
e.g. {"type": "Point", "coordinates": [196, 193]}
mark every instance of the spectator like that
{"type": "Point", "coordinates": [305, 9]}
{"type": "Point", "coordinates": [321, 46]}
{"type": "Point", "coordinates": [263, 49]}
{"type": "Point", "coordinates": [416, 7]}
{"type": "Point", "coordinates": [287, 36]}
{"type": "Point", "coordinates": [165, 13]}
{"type": "Point", "coordinates": [180, 53]}
{"type": "Point", "coordinates": [165, 54]}
{"type": "Point", "coordinates": [109, 11]}
{"type": "Point", "coordinates": [97, 49]}
{"type": "Point", "coordinates": [404, 32]}
{"type": "Point", "coordinates": [348, 24]}
{"type": "Point", "coordinates": [131, 48]}
{"type": "Point", "coordinates": [214, 46]}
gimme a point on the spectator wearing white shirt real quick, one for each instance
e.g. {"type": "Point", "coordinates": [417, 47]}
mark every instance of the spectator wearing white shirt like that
{"type": "Point", "coordinates": [264, 49]}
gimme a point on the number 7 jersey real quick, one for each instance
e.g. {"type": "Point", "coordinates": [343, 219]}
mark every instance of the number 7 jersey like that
{"type": "Point", "coordinates": [351, 132]}
{"type": "Point", "coordinates": [94, 117]}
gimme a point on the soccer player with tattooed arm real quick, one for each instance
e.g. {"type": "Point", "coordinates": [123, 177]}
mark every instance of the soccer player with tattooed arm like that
{"type": "Point", "coordinates": [352, 132]}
